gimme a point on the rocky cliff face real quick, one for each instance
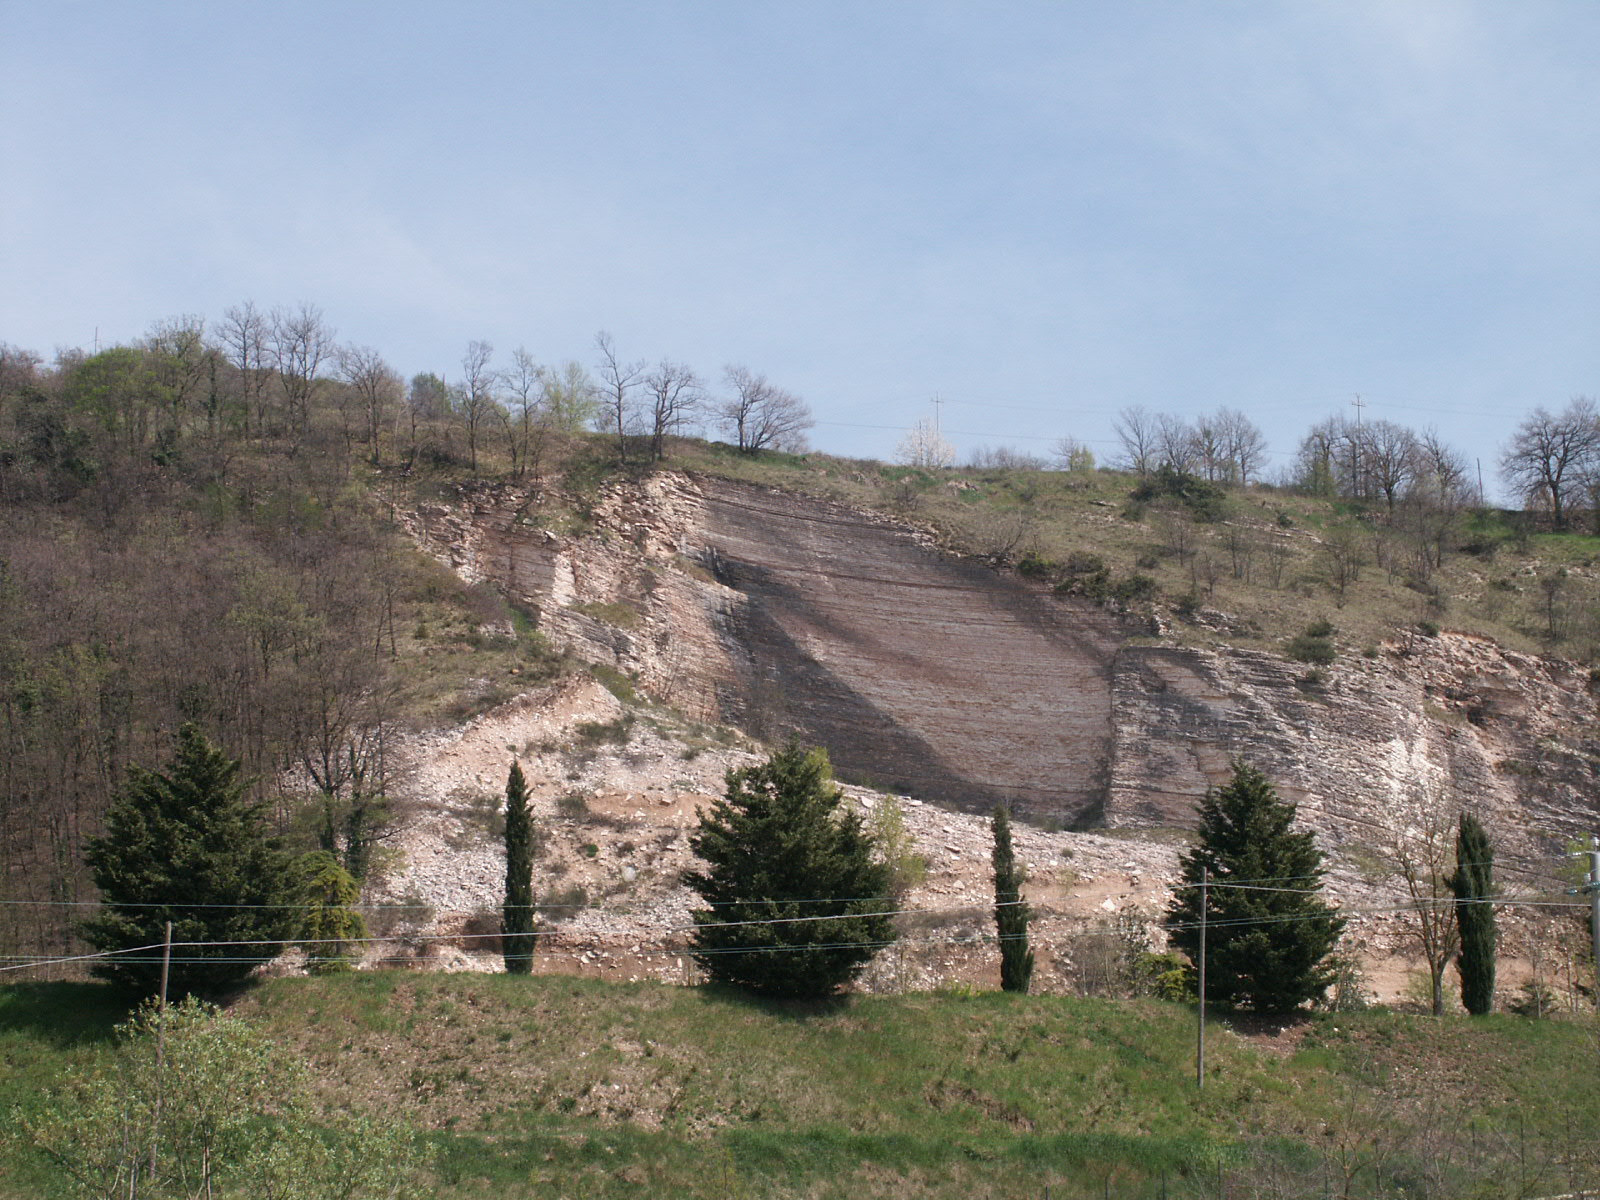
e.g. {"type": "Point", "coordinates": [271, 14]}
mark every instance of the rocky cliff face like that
{"type": "Point", "coordinates": [943, 679]}
{"type": "Point", "coordinates": [1453, 720]}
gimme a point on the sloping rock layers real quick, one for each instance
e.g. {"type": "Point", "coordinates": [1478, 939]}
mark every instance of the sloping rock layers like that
{"type": "Point", "coordinates": [941, 678]}
{"type": "Point", "coordinates": [921, 673]}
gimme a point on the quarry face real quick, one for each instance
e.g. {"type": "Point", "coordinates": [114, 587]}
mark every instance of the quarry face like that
{"type": "Point", "coordinates": [945, 679]}
{"type": "Point", "coordinates": [955, 685]}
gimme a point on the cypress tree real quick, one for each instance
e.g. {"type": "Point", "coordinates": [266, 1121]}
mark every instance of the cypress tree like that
{"type": "Point", "coordinates": [1473, 885]}
{"type": "Point", "coordinates": [331, 923]}
{"type": "Point", "coordinates": [517, 937]}
{"type": "Point", "coordinates": [796, 899]}
{"type": "Point", "coordinates": [1267, 942]}
{"type": "Point", "coordinates": [1010, 910]}
{"type": "Point", "coordinates": [190, 847]}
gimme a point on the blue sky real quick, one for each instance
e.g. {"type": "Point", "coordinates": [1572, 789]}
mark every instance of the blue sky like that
{"type": "Point", "coordinates": [1041, 213]}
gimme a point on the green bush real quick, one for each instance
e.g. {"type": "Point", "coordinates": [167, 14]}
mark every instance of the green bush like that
{"type": "Point", "coordinates": [221, 1111]}
{"type": "Point", "coordinates": [1205, 501]}
{"type": "Point", "coordinates": [1085, 575]}
{"type": "Point", "coordinates": [1308, 649]}
{"type": "Point", "coordinates": [1033, 566]}
{"type": "Point", "coordinates": [1166, 977]}
{"type": "Point", "coordinates": [1134, 588]}
{"type": "Point", "coordinates": [591, 734]}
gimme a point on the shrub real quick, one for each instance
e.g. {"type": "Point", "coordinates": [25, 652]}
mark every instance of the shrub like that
{"type": "Point", "coordinates": [592, 734]}
{"type": "Point", "coordinates": [1534, 999]}
{"type": "Point", "coordinates": [615, 682]}
{"type": "Point", "coordinates": [1165, 977]}
{"type": "Point", "coordinates": [1033, 566]}
{"type": "Point", "coordinates": [573, 805]}
{"type": "Point", "coordinates": [1206, 501]}
{"type": "Point", "coordinates": [222, 1111]}
{"type": "Point", "coordinates": [1085, 575]}
{"type": "Point", "coordinates": [1311, 681]}
{"type": "Point", "coordinates": [1308, 649]}
{"type": "Point", "coordinates": [1134, 589]}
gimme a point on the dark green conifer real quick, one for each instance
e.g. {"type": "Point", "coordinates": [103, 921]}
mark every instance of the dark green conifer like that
{"type": "Point", "coordinates": [331, 928]}
{"type": "Point", "coordinates": [796, 904]}
{"type": "Point", "coordinates": [1473, 885]}
{"type": "Point", "coordinates": [517, 936]}
{"type": "Point", "coordinates": [1010, 910]}
{"type": "Point", "coordinates": [1269, 932]}
{"type": "Point", "coordinates": [190, 847]}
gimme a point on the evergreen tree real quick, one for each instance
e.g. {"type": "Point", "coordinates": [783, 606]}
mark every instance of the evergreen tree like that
{"type": "Point", "coordinates": [1010, 910]}
{"type": "Point", "coordinates": [1268, 940]}
{"type": "Point", "coordinates": [780, 852]}
{"type": "Point", "coordinates": [1473, 885]}
{"type": "Point", "coordinates": [517, 936]}
{"type": "Point", "coordinates": [331, 925]}
{"type": "Point", "coordinates": [189, 847]}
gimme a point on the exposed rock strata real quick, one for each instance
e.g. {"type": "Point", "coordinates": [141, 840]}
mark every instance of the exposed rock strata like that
{"type": "Point", "coordinates": [921, 672]}
{"type": "Point", "coordinates": [940, 678]}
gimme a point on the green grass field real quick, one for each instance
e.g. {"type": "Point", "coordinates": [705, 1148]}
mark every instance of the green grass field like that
{"type": "Point", "coordinates": [559, 1087]}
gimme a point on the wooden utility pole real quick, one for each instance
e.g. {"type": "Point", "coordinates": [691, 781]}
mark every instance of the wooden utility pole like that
{"type": "Point", "coordinates": [161, 1048]}
{"type": "Point", "coordinates": [1593, 890]}
{"type": "Point", "coordinates": [1200, 1032]}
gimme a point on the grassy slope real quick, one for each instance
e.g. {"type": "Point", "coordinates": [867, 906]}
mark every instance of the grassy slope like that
{"type": "Point", "coordinates": [550, 1086]}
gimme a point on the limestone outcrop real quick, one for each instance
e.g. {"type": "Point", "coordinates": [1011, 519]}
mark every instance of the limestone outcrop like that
{"type": "Point", "coordinates": [942, 678]}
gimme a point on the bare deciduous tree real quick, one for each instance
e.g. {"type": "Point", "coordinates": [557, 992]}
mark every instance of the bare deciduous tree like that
{"type": "Point", "coordinates": [524, 413]}
{"type": "Point", "coordinates": [299, 342]}
{"type": "Point", "coordinates": [675, 397]}
{"type": "Point", "coordinates": [1318, 470]}
{"type": "Point", "coordinates": [1243, 446]}
{"type": "Point", "coordinates": [1548, 454]}
{"type": "Point", "coordinates": [376, 385]}
{"type": "Point", "coordinates": [1136, 430]}
{"type": "Point", "coordinates": [1175, 443]}
{"type": "Point", "coordinates": [1388, 459]}
{"type": "Point", "coordinates": [476, 399]}
{"type": "Point", "coordinates": [1418, 839]}
{"type": "Point", "coordinates": [760, 415]}
{"type": "Point", "coordinates": [619, 381]}
{"type": "Point", "coordinates": [245, 334]}
{"type": "Point", "coordinates": [1342, 558]}
{"type": "Point", "coordinates": [1005, 458]}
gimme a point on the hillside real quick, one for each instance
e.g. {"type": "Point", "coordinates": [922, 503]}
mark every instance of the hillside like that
{"type": "Point", "coordinates": [550, 1087]}
{"type": "Point", "coordinates": [954, 680]}
{"type": "Point", "coordinates": [1087, 645]}
{"type": "Point", "coordinates": [961, 681]}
